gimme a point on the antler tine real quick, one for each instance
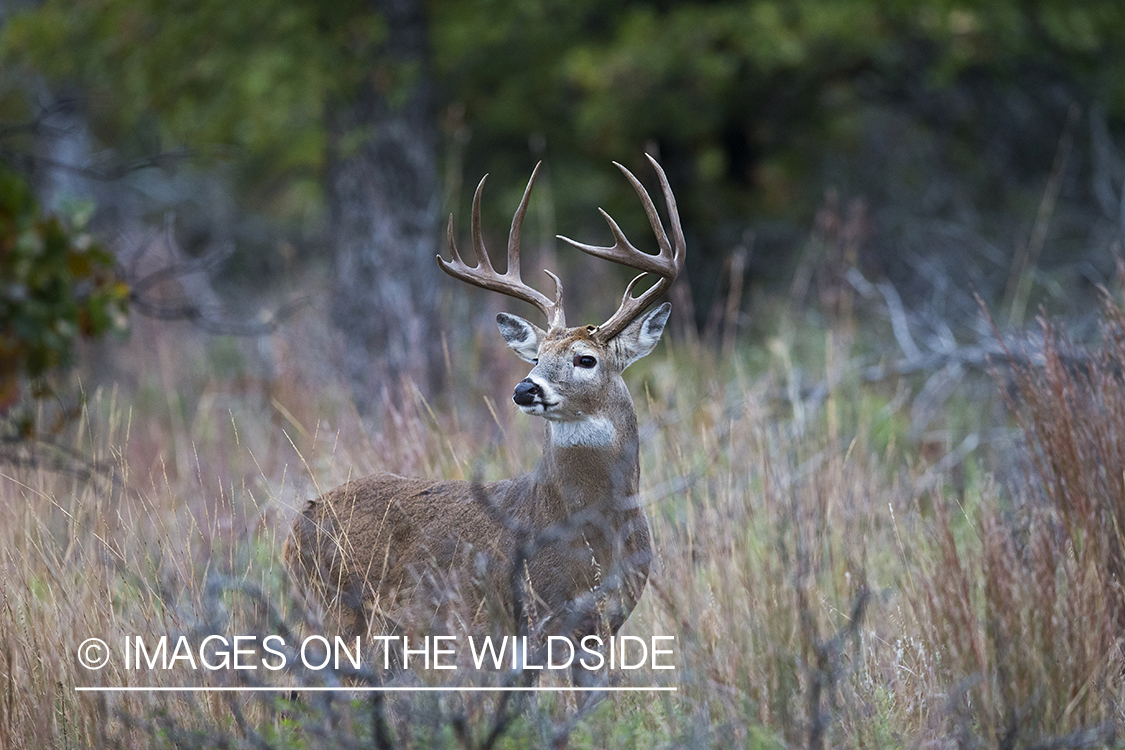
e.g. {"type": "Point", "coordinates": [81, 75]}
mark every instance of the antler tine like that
{"type": "Point", "coordinates": [666, 264]}
{"type": "Point", "coordinates": [509, 283]}
{"type": "Point", "coordinates": [556, 317]}
{"type": "Point", "coordinates": [483, 260]}
{"type": "Point", "coordinates": [517, 225]}
{"type": "Point", "coordinates": [650, 207]}
{"type": "Point", "coordinates": [679, 245]}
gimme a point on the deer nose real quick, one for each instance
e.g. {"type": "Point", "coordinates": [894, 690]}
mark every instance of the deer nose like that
{"type": "Point", "coordinates": [526, 391]}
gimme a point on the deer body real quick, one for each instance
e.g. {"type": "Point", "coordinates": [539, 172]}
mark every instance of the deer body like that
{"type": "Point", "coordinates": [562, 550]}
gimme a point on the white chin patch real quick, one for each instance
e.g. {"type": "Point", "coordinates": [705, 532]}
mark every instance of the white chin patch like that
{"type": "Point", "coordinates": [587, 433]}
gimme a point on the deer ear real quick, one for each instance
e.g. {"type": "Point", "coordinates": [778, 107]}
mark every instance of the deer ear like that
{"type": "Point", "coordinates": [522, 337]}
{"type": "Point", "coordinates": [641, 336]}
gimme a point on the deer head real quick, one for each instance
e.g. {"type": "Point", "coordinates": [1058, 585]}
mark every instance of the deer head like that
{"type": "Point", "coordinates": [577, 370]}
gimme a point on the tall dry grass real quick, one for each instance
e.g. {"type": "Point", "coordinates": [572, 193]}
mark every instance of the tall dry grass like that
{"type": "Point", "coordinates": [827, 587]}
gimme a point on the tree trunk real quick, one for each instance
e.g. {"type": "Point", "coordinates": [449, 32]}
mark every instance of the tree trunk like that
{"type": "Point", "coordinates": [384, 211]}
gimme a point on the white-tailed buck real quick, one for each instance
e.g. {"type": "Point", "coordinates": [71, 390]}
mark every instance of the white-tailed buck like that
{"type": "Point", "coordinates": [564, 550]}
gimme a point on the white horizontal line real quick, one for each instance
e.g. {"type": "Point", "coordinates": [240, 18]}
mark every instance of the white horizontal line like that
{"type": "Point", "coordinates": [368, 689]}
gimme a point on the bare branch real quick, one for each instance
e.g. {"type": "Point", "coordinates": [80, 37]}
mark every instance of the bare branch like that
{"type": "Point", "coordinates": [143, 297]}
{"type": "Point", "coordinates": [106, 173]}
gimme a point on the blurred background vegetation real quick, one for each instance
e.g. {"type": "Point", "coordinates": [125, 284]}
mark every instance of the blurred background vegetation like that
{"type": "Point", "coordinates": [218, 223]}
{"type": "Point", "coordinates": [961, 143]}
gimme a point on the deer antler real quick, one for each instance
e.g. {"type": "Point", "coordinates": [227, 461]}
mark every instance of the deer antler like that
{"type": "Point", "coordinates": [667, 264]}
{"type": "Point", "coordinates": [508, 283]}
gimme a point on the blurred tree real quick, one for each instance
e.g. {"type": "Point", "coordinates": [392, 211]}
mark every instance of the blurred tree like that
{"type": "Point", "coordinates": [304, 101]}
{"type": "Point", "coordinates": [382, 195]}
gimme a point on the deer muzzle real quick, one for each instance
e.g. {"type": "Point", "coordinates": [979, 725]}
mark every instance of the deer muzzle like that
{"type": "Point", "coordinates": [527, 392]}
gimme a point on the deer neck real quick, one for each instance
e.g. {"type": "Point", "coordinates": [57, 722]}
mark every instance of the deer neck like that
{"type": "Point", "coordinates": [588, 482]}
{"type": "Point", "coordinates": [592, 461]}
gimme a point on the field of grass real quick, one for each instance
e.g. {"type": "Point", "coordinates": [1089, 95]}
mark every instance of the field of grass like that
{"type": "Point", "coordinates": [832, 578]}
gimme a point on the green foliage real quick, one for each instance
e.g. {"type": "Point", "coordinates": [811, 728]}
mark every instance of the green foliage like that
{"type": "Point", "coordinates": [243, 80]}
{"type": "Point", "coordinates": [744, 93]}
{"type": "Point", "coordinates": [57, 287]}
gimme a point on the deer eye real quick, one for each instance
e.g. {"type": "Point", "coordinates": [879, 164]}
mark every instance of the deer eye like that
{"type": "Point", "coordinates": [584, 360]}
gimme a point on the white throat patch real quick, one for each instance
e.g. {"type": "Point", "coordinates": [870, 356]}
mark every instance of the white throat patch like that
{"type": "Point", "coordinates": [588, 433]}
